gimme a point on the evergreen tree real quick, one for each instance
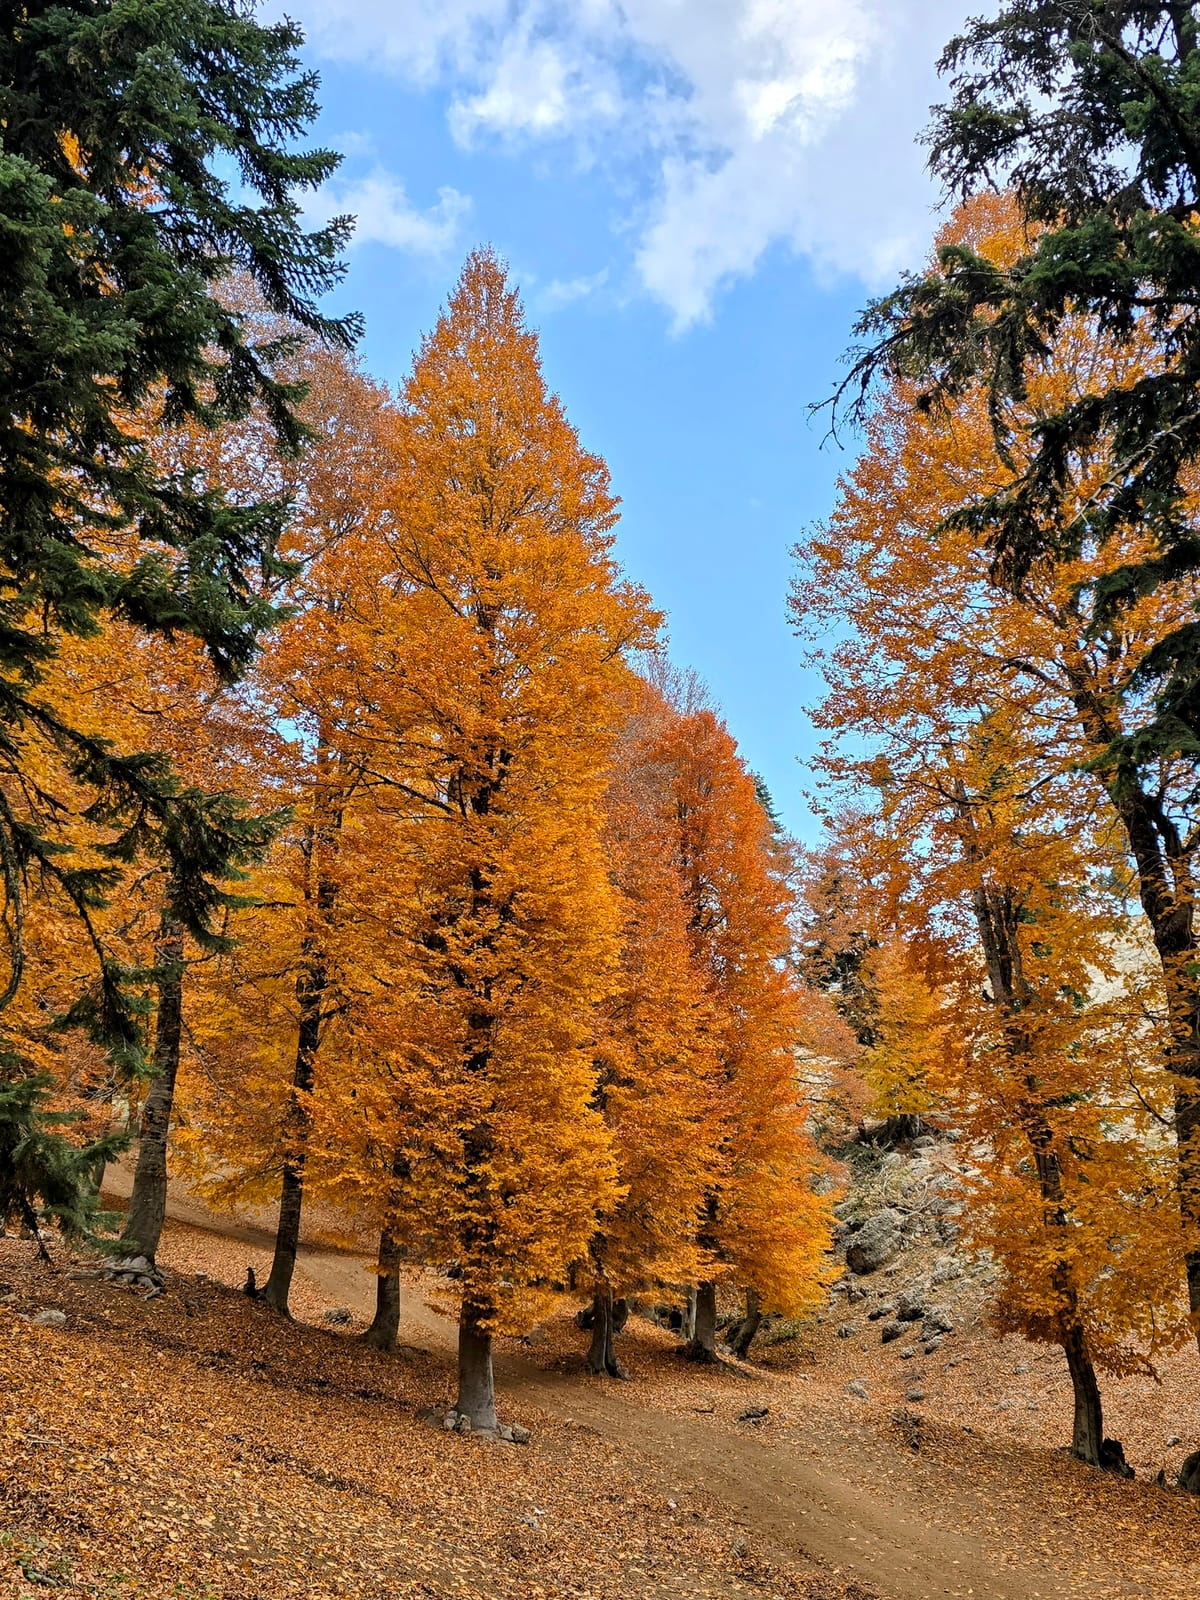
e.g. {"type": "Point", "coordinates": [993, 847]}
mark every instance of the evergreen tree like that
{"type": "Point", "coordinates": [119, 123]}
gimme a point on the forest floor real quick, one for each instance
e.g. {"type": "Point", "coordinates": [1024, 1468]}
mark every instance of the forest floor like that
{"type": "Point", "coordinates": [193, 1446]}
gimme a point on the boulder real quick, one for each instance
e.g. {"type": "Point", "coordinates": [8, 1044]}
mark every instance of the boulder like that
{"type": "Point", "coordinates": [890, 1331]}
{"type": "Point", "coordinates": [938, 1320]}
{"type": "Point", "coordinates": [875, 1243]}
{"type": "Point", "coordinates": [49, 1318]}
{"type": "Point", "coordinates": [910, 1304]}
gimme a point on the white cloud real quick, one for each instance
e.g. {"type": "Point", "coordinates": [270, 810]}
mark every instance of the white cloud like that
{"type": "Point", "coordinates": [749, 123]}
{"type": "Point", "coordinates": [385, 215]}
{"type": "Point", "coordinates": [561, 292]}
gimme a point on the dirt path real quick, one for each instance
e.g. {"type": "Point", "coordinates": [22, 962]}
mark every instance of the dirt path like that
{"type": "Point", "coordinates": [842, 1492]}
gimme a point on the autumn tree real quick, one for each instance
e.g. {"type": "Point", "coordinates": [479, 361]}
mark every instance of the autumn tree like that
{"type": "Point", "coordinates": [488, 673]}
{"type": "Point", "coordinates": [657, 1049]}
{"type": "Point", "coordinates": [935, 640]}
{"type": "Point", "coordinates": [763, 1226]}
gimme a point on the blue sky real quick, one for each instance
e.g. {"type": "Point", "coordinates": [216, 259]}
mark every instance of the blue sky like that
{"type": "Point", "coordinates": [695, 196]}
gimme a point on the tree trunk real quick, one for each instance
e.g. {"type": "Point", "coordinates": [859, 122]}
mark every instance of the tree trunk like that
{"type": "Point", "coordinates": [741, 1335]}
{"type": "Point", "coordinates": [148, 1200]}
{"type": "Point", "coordinates": [1088, 1435]}
{"type": "Point", "coordinates": [602, 1356]}
{"type": "Point", "coordinates": [384, 1332]}
{"type": "Point", "coordinates": [476, 1391]}
{"type": "Point", "coordinates": [702, 1346]}
{"type": "Point", "coordinates": [688, 1330]}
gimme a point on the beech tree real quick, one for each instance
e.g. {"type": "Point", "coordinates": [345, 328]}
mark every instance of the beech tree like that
{"type": "Point", "coordinates": [937, 639]}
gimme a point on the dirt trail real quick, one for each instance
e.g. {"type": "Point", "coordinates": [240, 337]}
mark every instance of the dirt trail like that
{"type": "Point", "coordinates": [800, 1493]}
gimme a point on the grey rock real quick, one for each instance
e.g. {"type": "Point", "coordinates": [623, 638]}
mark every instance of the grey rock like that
{"type": "Point", "coordinates": [880, 1311]}
{"type": "Point", "coordinates": [948, 1230]}
{"type": "Point", "coordinates": [1173, 1440]}
{"type": "Point", "coordinates": [938, 1320]}
{"type": "Point", "coordinates": [520, 1435]}
{"type": "Point", "coordinates": [875, 1243]}
{"type": "Point", "coordinates": [908, 1352]}
{"type": "Point", "coordinates": [910, 1304]}
{"type": "Point", "coordinates": [135, 1264]}
{"type": "Point", "coordinates": [855, 1293]}
{"type": "Point", "coordinates": [463, 1425]}
{"type": "Point", "coordinates": [893, 1269]}
{"type": "Point", "coordinates": [1189, 1474]}
{"type": "Point", "coordinates": [450, 1421]}
{"type": "Point", "coordinates": [890, 1331]}
{"type": "Point", "coordinates": [1006, 1405]}
{"type": "Point", "coordinates": [914, 1394]}
{"type": "Point", "coordinates": [858, 1389]}
{"type": "Point", "coordinates": [339, 1316]}
{"type": "Point", "coordinates": [925, 1142]}
{"type": "Point", "coordinates": [1021, 1368]}
{"type": "Point", "coordinates": [933, 1344]}
{"type": "Point", "coordinates": [945, 1271]}
{"type": "Point", "coordinates": [845, 1331]}
{"type": "Point", "coordinates": [49, 1318]}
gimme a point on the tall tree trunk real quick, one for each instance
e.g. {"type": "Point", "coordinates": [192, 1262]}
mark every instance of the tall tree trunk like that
{"type": "Point", "coordinates": [702, 1346]}
{"type": "Point", "coordinates": [602, 1356]}
{"type": "Point", "coordinates": [1088, 1433]}
{"type": "Point", "coordinates": [476, 1389]}
{"type": "Point", "coordinates": [1167, 891]}
{"type": "Point", "coordinates": [741, 1336]}
{"type": "Point", "coordinates": [278, 1286]}
{"type": "Point", "coordinates": [384, 1332]}
{"type": "Point", "coordinates": [148, 1200]}
{"type": "Point", "coordinates": [312, 982]}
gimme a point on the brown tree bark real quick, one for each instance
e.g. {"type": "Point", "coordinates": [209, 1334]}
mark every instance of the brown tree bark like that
{"type": "Point", "coordinates": [702, 1346]}
{"type": "Point", "coordinates": [741, 1335]}
{"type": "Point", "coordinates": [476, 1388]}
{"type": "Point", "coordinates": [148, 1200]}
{"type": "Point", "coordinates": [1087, 1437]}
{"type": "Point", "coordinates": [384, 1332]}
{"type": "Point", "coordinates": [602, 1355]}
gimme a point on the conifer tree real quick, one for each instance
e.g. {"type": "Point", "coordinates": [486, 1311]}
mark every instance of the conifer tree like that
{"type": "Point", "coordinates": [115, 116]}
{"type": "Point", "coordinates": [492, 677]}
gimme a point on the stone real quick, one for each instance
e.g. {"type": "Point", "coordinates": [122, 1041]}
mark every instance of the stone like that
{"type": "Point", "coordinates": [463, 1425]}
{"type": "Point", "coordinates": [890, 1331]}
{"type": "Point", "coordinates": [1006, 1405]}
{"type": "Point", "coordinates": [753, 1414]}
{"type": "Point", "coordinates": [854, 1292]}
{"type": "Point", "coordinates": [845, 1331]}
{"type": "Point", "coordinates": [49, 1318]}
{"type": "Point", "coordinates": [908, 1352]}
{"type": "Point", "coordinates": [925, 1142]}
{"type": "Point", "coordinates": [945, 1271]}
{"type": "Point", "coordinates": [910, 1305]}
{"type": "Point", "coordinates": [339, 1316]}
{"type": "Point", "coordinates": [1021, 1368]}
{"type": "Point", "coordinates": [933, 1344]}
{"type": "Point", "coordinates": [880, 1311]}
{"type": "Point", "coordinates": [858, 1389]}
{"type": "Point", "coordinates": [948, 1230]}
{"type": "Point", "coordinates": [520, 1435]}
{"type": "Point", "coordinates": [938, 1320]}
{"type": "Point", "coordinates": [1173, 1441]}
{"type": "Point", "coordinates": [914, 1394]}
{"type": "Point", "coordinates": [875, 1243]}
{"type": "Point", "coordinates": [450, 1421]}
{"type": "Point", "coordinates": [135, 1264]}
{"type": "Point", "coordinates": [1189, 1474]}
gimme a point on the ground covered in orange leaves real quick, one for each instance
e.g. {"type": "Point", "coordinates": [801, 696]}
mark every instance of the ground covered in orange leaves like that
{"type": "Point", "coordinates": [193, 1446]}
